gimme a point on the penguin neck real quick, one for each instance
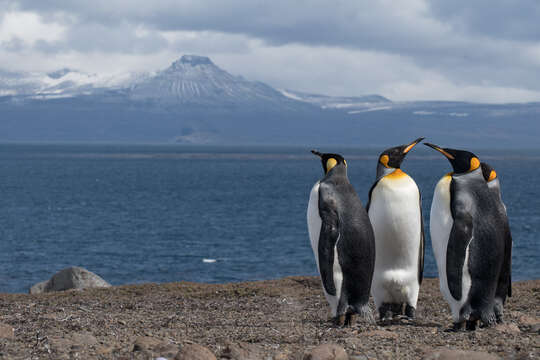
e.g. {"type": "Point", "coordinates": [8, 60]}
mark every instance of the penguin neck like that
{"type": "Point", "coordinates": [471, 175]}
{"type": "Point", "coordinates": [339, 170]}
{"type": "Point", "coordinates": [494, 186]}
{"type": "Point", "coordinates": [382, 171]}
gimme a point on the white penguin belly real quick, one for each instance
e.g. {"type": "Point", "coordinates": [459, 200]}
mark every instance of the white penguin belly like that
{"type": "Point", "coordinates": [314, 228]}
{"type": "Point", "coordinates": [440, 225]}
{"type": "Point", "coordinates": [395, 216]}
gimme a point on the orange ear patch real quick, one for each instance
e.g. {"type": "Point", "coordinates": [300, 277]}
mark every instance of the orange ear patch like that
{"type": "Point", "coordinates": [330, 163]}
{"type": "Point", "coordinates": [475, 164]}
{"type": "Point", "coordinates": [492, 175]}
{"type": "Point", "coordinates": [384, 160]}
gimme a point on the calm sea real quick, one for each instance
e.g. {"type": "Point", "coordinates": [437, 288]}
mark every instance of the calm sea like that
{"type": "Point", "coordinates": [136, 214]}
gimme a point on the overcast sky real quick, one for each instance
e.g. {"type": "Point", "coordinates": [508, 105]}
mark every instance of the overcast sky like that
{"type": "Point", "coordinates": [482, 51]}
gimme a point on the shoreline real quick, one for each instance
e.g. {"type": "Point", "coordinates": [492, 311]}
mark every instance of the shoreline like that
{"type": "Point", "coordinates": [280, 318]}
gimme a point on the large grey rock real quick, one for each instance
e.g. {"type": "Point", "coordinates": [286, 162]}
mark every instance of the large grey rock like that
{"type": "Point", "coordinates": [326, 352]}
{"type": "Point", "coordinates": [241, 351]}
{"type": "Point", "coordinates": [194, 352]}
{"type": "Point", "coordinates": [451, 354]}
{"type": "Point", "coordinates": [71, 278]}
{"type": "Point", "coordinates": [6, 331]}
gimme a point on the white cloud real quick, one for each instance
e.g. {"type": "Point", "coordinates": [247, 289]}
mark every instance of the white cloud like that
{"type": "Point", "coordinates": [29, 28]}
{"type": "Point", "coordinates": [415, 49]}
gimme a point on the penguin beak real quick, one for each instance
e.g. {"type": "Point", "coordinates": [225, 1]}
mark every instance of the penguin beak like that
{"type": "Point", "coordinates": [411, 145]}
{"type": "Point", "coordinates": [441, 150]}
{"type": "Point", "coordinates": [315, 152]}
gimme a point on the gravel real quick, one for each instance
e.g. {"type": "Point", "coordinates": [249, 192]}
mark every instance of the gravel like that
{"type": "Point", "coordinates": [282, 319]}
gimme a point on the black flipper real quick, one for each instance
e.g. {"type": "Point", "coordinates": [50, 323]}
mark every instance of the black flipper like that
{"type": "Point", "coordinates": [508, 263]}
{"type": "Point", "coordinates": [328, 238]}
{"type": "Point", "coordinates": [460, 237]}
{"type": "Point", "coordinates": [505, 278]}
{"type": "Point", "coordinates": [369, 196]}
{"type": "Point", "coordinates": [421, 252]}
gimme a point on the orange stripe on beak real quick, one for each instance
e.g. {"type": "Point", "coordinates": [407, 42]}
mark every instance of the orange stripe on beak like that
{"type": "Point", "coordinates": [449, 156]}
{"type": "Point", "coordinates": [413, 144]}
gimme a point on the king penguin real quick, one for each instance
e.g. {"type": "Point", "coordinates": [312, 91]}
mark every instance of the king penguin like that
{"type": "Point", "coordinates": [469, 237]}
{"type": "Point", "coordinates": [342, 242]}
{"type": "Point", "coordinates": [395, 212]}
{"type": "Point", "coordinates": [504, 287]}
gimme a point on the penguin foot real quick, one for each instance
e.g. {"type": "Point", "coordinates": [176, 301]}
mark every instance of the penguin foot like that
{"type": "Point", "coordinates": [410, 312]}
{"type": "Point", "coordinates": [472, 324]}
{"type": "Point", "coordinates": [456, 327]}
{"type": "Point", "coordinates": [344, 320]}
{"type": "Point", "coordinates": [351, 321]}
{"type": "Point", "coordinates": [340, 320]}
{"type": "Point", "coordinates": [385, 312]}
{"type": "Point", "coordinates": [397, 309]}
{"type": "Point", "coordinates": [499, 318]}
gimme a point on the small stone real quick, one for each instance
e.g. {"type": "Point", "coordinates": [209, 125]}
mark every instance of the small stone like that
{"type": "Point", "coordinates": [145, 343]}
{"type": "Point", "coordinates": [84, 338]}
{"type": "Point", "coordinates": [528, 320]}
{"type": "Point", "coordinates": [194, 352]}
{"type": "Point", "coordinates": [508, 328]}
{"type": "Point", "coordinates": [241, 351]}
{"type": "Point", "coordinates": [535, 328]}
{"type": "Point", "coordinates": [326, 352]}
{"type": "Point", "coordinates": [75, 341]}
{"type": "Point", "coordinates": [59, 343]}
{"type": "Point", "coordinates": [385, 334]}
{"type": "Point", "coordinates": [281, 356]}
{"type": "Point", "coordinates": [6, 331]}
{"type": "Point", "coordinates": [38, 288]}
{"type": "Point", "coordinates": [104, 350]}
{"type": "Point", "coordinates": [450, 354]}
{"type": "Point", "coordinates": [168, 351]}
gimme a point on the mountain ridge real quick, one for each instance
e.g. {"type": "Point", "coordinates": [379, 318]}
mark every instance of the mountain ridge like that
{"type": "Point", "coordinates": [195, 101]}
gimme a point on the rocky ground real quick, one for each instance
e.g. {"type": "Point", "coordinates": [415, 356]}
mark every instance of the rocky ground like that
{"type": "Point", "coordinates": [277, 319]}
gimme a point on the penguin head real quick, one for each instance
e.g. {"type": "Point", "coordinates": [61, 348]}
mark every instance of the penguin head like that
{"type": "Point", "coordinates": [393, 157]}
{"type": "Point", "coordinates": [462, 161]}
{"type": "Point", "coordinates": [329, 161]}
{"type": "Point", "coordinates": [488, 172]}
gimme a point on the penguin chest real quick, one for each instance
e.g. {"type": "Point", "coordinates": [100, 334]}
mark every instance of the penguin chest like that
{"type": "Point", "coordinates": [314, 221]}
{"type": "Point", "coordinates": [396, 219]}
{"type": "Point", "coordinates": [314, 229]}
{"type": "Point", "coordinates": [441, 222]}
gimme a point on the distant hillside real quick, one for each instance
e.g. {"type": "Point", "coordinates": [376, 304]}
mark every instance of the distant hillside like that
{"type": "Point", "coordinates": [195, 101]}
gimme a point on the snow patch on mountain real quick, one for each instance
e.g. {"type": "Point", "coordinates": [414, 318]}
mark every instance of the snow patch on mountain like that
{"type": "Point", "coordinates": [354, 104]}
{"type": "Point", "coordinates": [65, 82]}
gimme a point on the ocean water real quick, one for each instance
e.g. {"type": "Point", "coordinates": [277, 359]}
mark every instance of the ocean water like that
{"type": "Point", "coordinates": [149, 213]}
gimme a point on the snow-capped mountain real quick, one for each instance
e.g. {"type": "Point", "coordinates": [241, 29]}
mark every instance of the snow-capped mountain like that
{"type": "Point", "coordinates": [189, 80]}
{"type": "Point", "coordinates": [195, 101]}
{"type": "Point", "coordinates": [196, 79]}
{"type": "Point", "coordinates": [62, 83]}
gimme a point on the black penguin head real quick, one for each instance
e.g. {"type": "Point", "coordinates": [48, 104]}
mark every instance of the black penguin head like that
{"type": "Point", "coordinates": [462, 161]}
{"type": "Point", "coordinates": [393, 157]}
{"type": "Point", "coordinates": [488, 172]}
{"type": "Point", "coordinates": [329, 161]}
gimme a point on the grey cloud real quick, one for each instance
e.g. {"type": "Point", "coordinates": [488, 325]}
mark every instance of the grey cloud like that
{"type": "Point", "coordinates": [511, 20]}
{"type": "Point", "coordinates": [432, 31]}
{"type": "Point", "coordinates": [468, 42]}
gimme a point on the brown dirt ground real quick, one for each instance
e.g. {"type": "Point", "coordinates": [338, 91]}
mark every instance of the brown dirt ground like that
{"type": "Point", "coordinates": [286, 317]}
